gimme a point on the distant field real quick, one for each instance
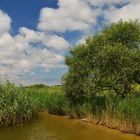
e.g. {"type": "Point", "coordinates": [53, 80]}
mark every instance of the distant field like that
{"type": "Point", "coordinates": [48, 89]}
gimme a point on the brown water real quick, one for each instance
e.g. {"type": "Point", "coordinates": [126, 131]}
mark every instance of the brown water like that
{"type": "Point", "coordinates": [49, 127]}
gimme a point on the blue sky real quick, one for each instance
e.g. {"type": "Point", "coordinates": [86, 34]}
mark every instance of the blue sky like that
{"type": "Point", "coordinates": [35, 35]}
{"type": "Point", "coordinates": [25, 12]}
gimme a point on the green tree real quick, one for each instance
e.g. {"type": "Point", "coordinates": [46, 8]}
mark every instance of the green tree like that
{"type": "Point", "coordinates": [108, 60]}
{"type": "Point", "coordinates": [74, 79]}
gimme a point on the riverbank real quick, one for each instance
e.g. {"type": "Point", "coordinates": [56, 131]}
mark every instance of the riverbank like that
{"type": "Point", "coordinates": [91, 123]}
{"type": "Point", "coordinates": [123, 126]}
{"type": "Point", "coordinates": [125, 119]}
{"type": "Point", "coordinates": [103, 77]}
{"type": "Point", "coordinates": [52, 127]}
{"type": "Point", "coordinates": [19, 104]}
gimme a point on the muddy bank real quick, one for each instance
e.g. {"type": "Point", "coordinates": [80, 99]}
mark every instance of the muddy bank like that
{"type": "Point", "coordinates": [124, 126]}
{"type": "Point", "coordinates": [107, 121]}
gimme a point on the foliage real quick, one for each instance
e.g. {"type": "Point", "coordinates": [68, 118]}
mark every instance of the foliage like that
{"type": "Point", "coordinates": [19, 104]}
{"type": "Point", "coordinates": [15, 105]}
{"type": "Point", "coordinates": [129, 109]}
{"type": "Point", "coordinates": [110, 60]}
{"type": "Point", "coordinates": [56, 104]}
{"type": "Point", "coordinates": [48, 98]}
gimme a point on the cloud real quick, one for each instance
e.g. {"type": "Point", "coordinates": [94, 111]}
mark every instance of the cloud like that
{"type": "Point", "coordinates": [83, 15]}
{"type": "Point", "coordinates": [101, 3]}
{"type": "Point", "coordinates": [28, 50]}
{"type": "Point", "coordinates": [58, 43]}
{"type": "Point", "coordinates": [49, 41]}
{"type": "Point", "coordinates": [43, 48]}
{"type": "Point", "coordinates": [75, 15]}
{"type": "Point", "coordinates": [5, 22]}
{"type": "Point", "coordinates": [72, 15]}
{"type": "Point", "coordinates": [127, 12]}
{"type": "Point", "coordinates": [20, 52]}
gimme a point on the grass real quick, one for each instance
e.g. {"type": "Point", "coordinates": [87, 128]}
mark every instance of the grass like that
{"type": "Point", "coordinates": [129, 109]}
{"type": "Point", "coordinates": [19, 104]}
{"type": "Point", "coordinates": [15, 105]}
{"type": "Point", "coordinates": [51, 99]}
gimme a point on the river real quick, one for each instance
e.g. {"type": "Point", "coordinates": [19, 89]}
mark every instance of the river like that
{"type": "Point", "coordinates": [51, 127]}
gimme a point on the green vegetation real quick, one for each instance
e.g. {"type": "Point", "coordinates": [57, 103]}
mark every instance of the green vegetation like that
{"type": "Point", "coordinates": [109, 61]}
{"type": "Point", "coordinates": [104, 74]}
{"type": "Point", "coordinates": [51, 99]}
{"type": "Point", "coordinates": [15, 105]}
{"type": "Point", "coordinates": [103, 81]}
{"type": "Point", "coordinates": [19, 104]}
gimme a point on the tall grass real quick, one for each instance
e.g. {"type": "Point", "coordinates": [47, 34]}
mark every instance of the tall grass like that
{"type": "Point", "coordinates": [129, 109]}
{"type": "Point", "coordinates": [51, 99]}
{"type": "Point", "coordinates": [15, 105]}
{"type": "Point", "coordinates": [18, 104]}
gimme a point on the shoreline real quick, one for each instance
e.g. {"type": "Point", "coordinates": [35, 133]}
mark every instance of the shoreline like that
{"type": "Point", "coordinates": [118, 126]}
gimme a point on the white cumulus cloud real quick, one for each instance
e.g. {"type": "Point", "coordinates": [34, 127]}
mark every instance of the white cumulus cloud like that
{"type": "Point", "coordinates": [42, 48]}
{"type": "Point", "coordinates": [70, 16]}
{"type": "Point", "coordinates": [81, 15]}
{"type": "Point", "coordinates": [28, 50]}
{"type": "Point", "coordinates": [127, 12]}
{"type": "Point", "coordinates": [5, 22]}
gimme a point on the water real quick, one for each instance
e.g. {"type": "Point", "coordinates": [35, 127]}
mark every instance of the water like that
{"type": "Point", "coordinates": [50, 127]}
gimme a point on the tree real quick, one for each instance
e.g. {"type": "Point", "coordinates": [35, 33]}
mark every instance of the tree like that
{"type": "Point", "coordinates": [74, 79]}
{"type": "Point", "coordinates": [108, 60]}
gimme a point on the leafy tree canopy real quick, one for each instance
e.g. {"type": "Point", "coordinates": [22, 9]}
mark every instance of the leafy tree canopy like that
{"type": "Point", "coordinates": [109, 60]}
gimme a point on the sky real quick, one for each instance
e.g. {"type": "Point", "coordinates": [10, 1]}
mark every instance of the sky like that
{"type": "Point", "coordinates": [36, 35]}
